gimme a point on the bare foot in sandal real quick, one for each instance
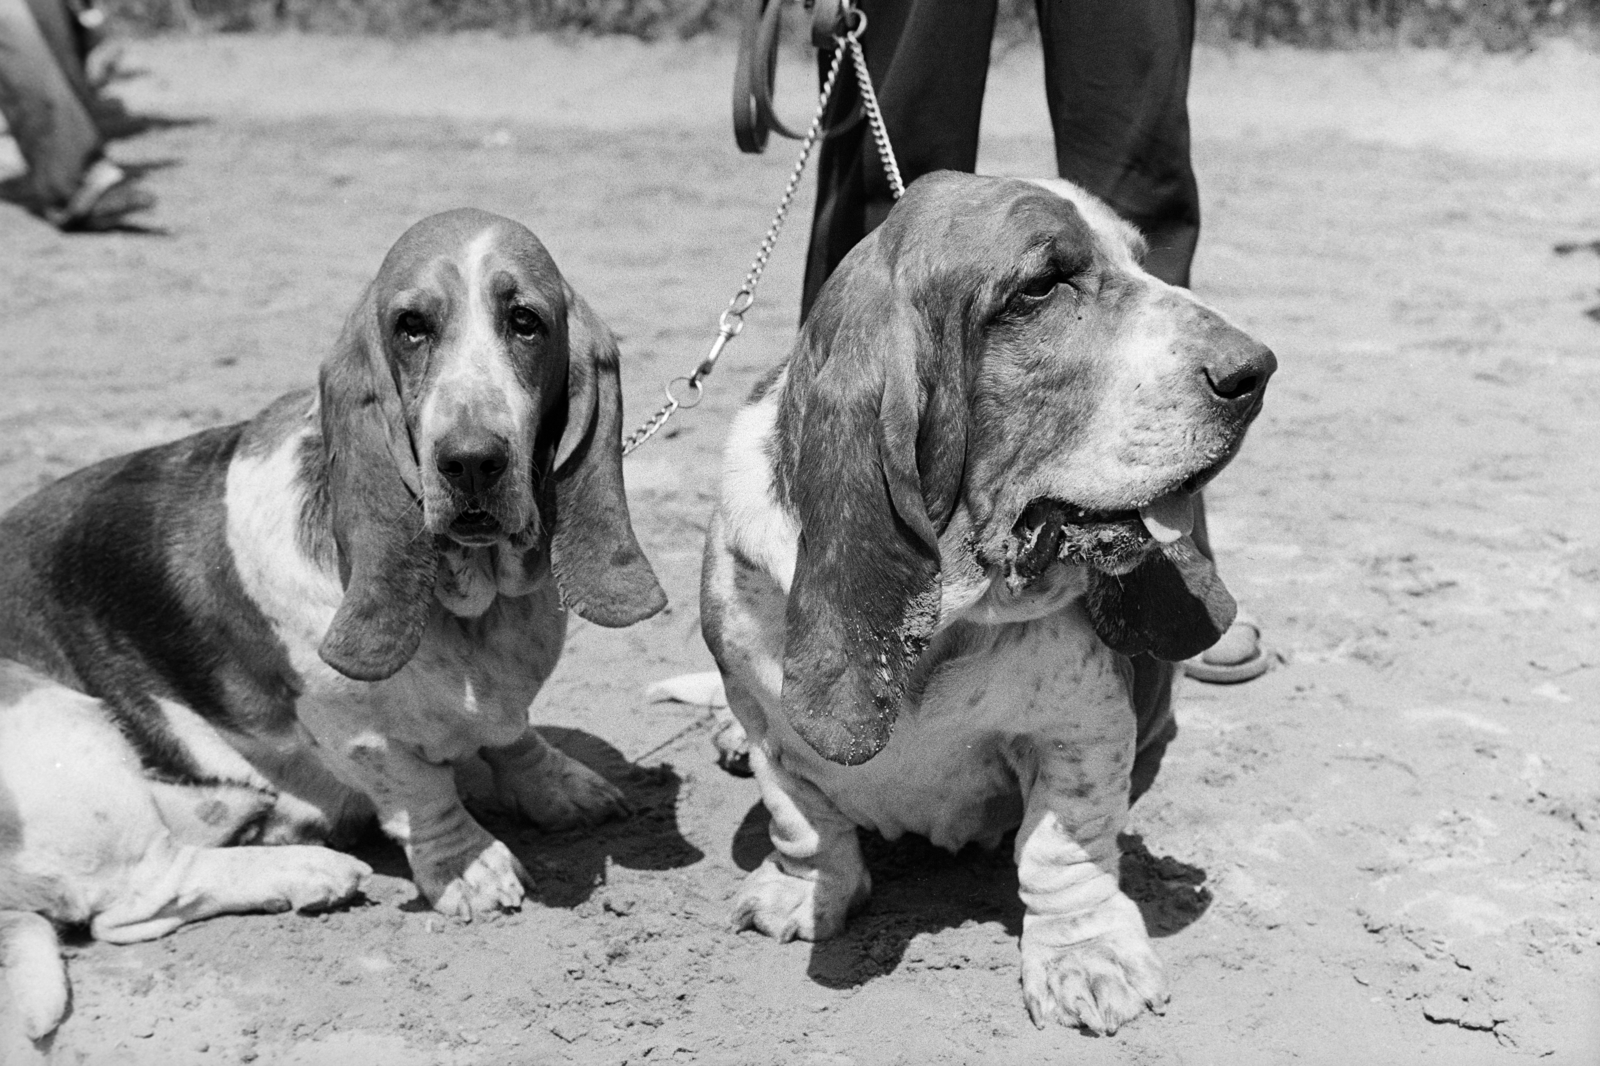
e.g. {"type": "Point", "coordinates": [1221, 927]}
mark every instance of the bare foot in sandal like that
{"type": "Point", "coordinates": [1237, 656]}
{"type": "Point", "coordinates": [105, 200]}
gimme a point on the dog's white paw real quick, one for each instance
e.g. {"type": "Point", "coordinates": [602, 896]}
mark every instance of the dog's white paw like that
{"type": "Point", "coordinates": [473, 883]}
{"type": "Point", "coordinates": [312, 878]}
{"type": "Point", "coordinates": [561, 794]}
{"type": "Point", "coordinates": [1100, 983]}
{"type": "Point", "coordinates": [787, 907]}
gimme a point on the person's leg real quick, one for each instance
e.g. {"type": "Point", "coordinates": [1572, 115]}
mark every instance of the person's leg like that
{"type": "Point", "coordinates": [1117, 81]}
{"type": "Point", "coordinates": [929, 60]}
{"type": "Point", "coordinates": [59, 26]}
{"type": "Point", "coordinates": [46, 99]}
{"type": "Point", "coordinates": [1151, 696]}
{"type": "Point", "coordinates": [1238, 654]}
{"type": "Point", "coordinates": [45, 114]}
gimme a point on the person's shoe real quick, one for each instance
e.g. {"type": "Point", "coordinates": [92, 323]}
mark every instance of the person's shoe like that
{"type": "Point", "coordinates": [104, 201]}
{"type": "Point", "coordinates": [1236, 657]}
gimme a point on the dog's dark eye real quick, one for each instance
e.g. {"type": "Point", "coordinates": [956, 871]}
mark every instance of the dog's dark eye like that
{"type": "Point", "coordinates": [411, 327]}
{"type": "Point", "coordinates": [1040, 287]}
{"type": "Point", "coordinates": [524, 322]}
{"type": "Point", "coordinates": [1033, 293]}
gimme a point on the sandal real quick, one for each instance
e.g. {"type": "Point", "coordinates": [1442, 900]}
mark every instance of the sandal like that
{"type": "Point", "coordinates": [1236, 657]}
{"type": "Point", "coordinates": [104, 201]}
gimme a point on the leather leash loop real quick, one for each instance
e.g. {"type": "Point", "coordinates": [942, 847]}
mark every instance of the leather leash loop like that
{"type": "Point", "coordinates": [767, 47]}
{"type": "Point", "coordinates": [851, 23]}
{"type": "Point", "coordinates": [756, 70]}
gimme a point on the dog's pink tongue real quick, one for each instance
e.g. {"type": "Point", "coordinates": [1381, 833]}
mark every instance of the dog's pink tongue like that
{"type": "Point", "coordinates": [1170, 517]}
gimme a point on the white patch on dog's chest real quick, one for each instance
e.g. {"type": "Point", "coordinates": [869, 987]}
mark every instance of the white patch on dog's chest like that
{"type": "Point", "coordinates": [957, 766]}
{"type": "Point", "coordinates": [472, 679]}
{"type": "Point", "coordinates": [1005, 677]}
{"type": "Point", "coordinates": [466, 583]}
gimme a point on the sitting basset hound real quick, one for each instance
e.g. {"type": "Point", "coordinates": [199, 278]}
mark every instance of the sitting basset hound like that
{"type": "Point", "coordinates": [951, 565]}
{"type": "Point", "coordinates": [269, 632]}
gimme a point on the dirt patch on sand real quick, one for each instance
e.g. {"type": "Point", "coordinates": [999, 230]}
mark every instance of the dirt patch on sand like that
{"type": "Point", "coordinates": [1384, 851]}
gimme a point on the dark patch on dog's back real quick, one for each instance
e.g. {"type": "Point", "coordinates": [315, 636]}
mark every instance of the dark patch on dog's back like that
{"type": "Point", "coordinates": [118, 581]}
{"type": "Point", "coordinates": [277, 422]}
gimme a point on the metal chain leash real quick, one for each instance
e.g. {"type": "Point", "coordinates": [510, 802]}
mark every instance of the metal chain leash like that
{"type": "Point", "coordinates": [869, 99]}
{"type": "Point", "coordinates": [731, 322]}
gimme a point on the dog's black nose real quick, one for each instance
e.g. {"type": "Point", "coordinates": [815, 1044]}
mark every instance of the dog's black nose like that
{"type": "Point", "coordinates": [1237, 370]}
{"type": "Point", "coordinates": [472, 463]}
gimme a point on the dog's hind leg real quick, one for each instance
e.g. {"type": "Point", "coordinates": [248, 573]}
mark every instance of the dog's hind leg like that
{"type": "Point", "coordinates": [96, 847]}
{"type": "Point", "coordinates": [211, 815]}
{"type": "Point", "coordinates": [549, 788]}
{"type": "Point", "coordinates": [177, 884]}
{"type": "Point", "coordinates": [30, 962]}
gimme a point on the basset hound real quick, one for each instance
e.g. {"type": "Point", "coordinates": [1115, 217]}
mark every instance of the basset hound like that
{"type": "Point", "coordinates": [951, 565]}
{"type": "Point", "coordinates": [270, 632]}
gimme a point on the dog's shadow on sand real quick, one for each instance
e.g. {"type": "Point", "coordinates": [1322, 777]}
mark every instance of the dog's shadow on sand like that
{"type": "Point", "coordinates": [918, 888]}
{"type": "Point", "coordinates": [568, 866]}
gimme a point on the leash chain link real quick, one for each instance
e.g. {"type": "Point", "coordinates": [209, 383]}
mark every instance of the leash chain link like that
{"type": "Point", "coordinates": [869, 100]}
{"type": "Point", "coordinates": [731, 322]}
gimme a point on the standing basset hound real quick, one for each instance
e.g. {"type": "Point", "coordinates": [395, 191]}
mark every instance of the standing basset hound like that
{"type": "Point", "coordinates": [951, 565]}
{"type": "Point", "coordinates": [268, 632]}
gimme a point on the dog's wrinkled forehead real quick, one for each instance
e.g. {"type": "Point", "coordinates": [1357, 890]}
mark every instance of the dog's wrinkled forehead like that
{"type": "Point", "coordinates": [1118, 239]}
{"type": "Point", "coordinates": [449, 251]}
{"type": "Point", "coordinates": [964, 224]}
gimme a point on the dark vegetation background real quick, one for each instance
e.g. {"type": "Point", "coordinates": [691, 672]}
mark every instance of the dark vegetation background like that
{"type": "Point", "coordinates": [1495, 25]}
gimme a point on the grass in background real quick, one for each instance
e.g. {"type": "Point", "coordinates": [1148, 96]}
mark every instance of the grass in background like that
{"type": "Point", "coordinates": [1495, 25]}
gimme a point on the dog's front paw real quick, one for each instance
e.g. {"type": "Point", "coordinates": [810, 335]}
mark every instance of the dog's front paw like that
{"type": "Point", "coordinates": [787, 907]}
{"type": "Point", "coordinates": [314, 878]}
{"type": "Point", "coordinates": [561, 794]}
{"type": "Point", "coordinates": [731, 743]}
{"type": "Point", "coordinates": [31, 956]}
{"type": "Point", "coordinates": [477, 882]}
{"type": "Point", "coordinates": [1100, 983]}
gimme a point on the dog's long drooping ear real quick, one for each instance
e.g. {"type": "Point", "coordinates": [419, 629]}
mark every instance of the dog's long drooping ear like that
{"type": "Point", "coordinates": [1173, 605]}
{"type": "Point", "coordinates": [387, 560]}
{"type": "Point", "coordinates": [598, 564]}
{"type": "Point", "coordinates": [876, 434]}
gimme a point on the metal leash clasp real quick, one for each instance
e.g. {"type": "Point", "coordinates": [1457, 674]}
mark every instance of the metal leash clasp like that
{"type": "Point", "coordinates": [845, 23]}
{"type": "Point", "coordinates": [830, 22]}
{"type": "Point", "coordinates": [730, 324]}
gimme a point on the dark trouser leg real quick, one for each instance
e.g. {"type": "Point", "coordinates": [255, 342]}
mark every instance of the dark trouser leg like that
{"type": "Point", "coordinates": [1152, 707]}
{"type": "Point", "coordinates": [62, 33]}
{"type": "Point", "coordinates": [1117, 80]}
{"type": "Point", "coordinates": [43, 109]}
{"type": "Point", "coordinates": [1152, 691]}
{"type": "Point", "coordinates": [928, 60]}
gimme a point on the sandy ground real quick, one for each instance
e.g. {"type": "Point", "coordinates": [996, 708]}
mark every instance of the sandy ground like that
{"type": "Point", "coordinates": [1384, 851]}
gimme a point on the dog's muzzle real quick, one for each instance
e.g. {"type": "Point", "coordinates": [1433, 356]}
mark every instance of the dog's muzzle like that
{"type": "Point", "coordinates": [1050, 530]}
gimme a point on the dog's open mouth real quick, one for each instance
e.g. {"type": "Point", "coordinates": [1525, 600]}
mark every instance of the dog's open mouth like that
{"type": "Point", "coordinates": [1111, 541]}
{"type": "Point", "coordinates": [475, 526]}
